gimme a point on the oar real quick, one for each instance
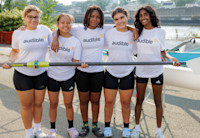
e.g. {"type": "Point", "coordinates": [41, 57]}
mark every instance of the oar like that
{"type": "Point", "coordinates": [194, 64]}
{"type": "Point", "coordinates": [47, 64]}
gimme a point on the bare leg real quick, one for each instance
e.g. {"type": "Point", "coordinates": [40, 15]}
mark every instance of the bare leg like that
{"type": "Point", "coordinates": [157, 92]}
{"type": "Point", "coordinates": [26, 99]}
{"type": "Point", "coordinates": [84, 98]}
{"type": "Point", "coordinates": [54, 98]}
{"type": "Point", "coordinates": [110, 97]}
{"type": "Point", "coordinates": [125, 99]}
{"type": "Point", "coordinates": [141, 88]}
{"type": "Point", "coordinates": [95, 99]}
{"type": "Point", "coordinates": [68, 98]}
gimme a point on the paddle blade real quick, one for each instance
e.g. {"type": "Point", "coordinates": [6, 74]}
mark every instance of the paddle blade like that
{"type": "Point", "coordinates": [194, 64]}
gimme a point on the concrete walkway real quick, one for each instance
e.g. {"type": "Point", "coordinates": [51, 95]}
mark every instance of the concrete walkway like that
{"type": "Point", "coordinates": [181, 114]}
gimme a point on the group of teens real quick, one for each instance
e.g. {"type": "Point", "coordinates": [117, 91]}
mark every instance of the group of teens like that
{"type": "Point", "coordinates": [85, 44]}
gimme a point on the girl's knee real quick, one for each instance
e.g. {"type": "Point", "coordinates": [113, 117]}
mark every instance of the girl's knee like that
{"type": "Point", "coordinates": [158, 103]}
{"type": "Point", "coordinates": [68, 105]}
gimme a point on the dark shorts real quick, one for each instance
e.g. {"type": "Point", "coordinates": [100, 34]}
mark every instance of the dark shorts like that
{"type": "Point", "coordinates": [92, 82]}
{"type": "Point", "coordinates": [156, 81]}
{"type": "Point", "coordinates": [54, 85]}
{"type": "Point", "coordinates": [125, 83]}
{"type": "Point", "coordinates": [23, 82]}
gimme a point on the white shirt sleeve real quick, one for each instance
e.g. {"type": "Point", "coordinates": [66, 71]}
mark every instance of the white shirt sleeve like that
{"type": "Point", "coordinates": [15, 42]}
{"type": "Point", "coordinates": [49, 32]}
{"type": "Point", "coordinates": [77, 50]}
{"type": "Point", "coordinates": [75, 30]}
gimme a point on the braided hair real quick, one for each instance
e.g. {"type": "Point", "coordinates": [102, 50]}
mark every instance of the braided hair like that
{"type": "Point", "coordinates": [88, 14]}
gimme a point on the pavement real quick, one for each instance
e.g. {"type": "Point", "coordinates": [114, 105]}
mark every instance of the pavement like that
{"type": "Point", "coordinates": [181, 111]}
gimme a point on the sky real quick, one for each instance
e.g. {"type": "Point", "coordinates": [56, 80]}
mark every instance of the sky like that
{"type": "Point", "coordinates": [68, 2]}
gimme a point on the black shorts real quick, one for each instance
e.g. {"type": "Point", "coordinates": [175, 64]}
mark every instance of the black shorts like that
{"type": "Point", "coordinates": [23, 82]}
{"type": "Point", "coordinates": [156, 81]}
{"type": "Point", "coordinates": [125, 83]}
{"type": "Point", "coordinates": [92, 82]}
{"type": "Point", "coordinates": [54, 85]}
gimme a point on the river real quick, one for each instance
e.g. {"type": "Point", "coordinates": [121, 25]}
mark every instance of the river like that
{"type": "Point", "coordinates": [177, 34]}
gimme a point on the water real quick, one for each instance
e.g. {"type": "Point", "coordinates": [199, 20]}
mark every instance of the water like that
{"type": "Point", "coordinates": [177, 34]}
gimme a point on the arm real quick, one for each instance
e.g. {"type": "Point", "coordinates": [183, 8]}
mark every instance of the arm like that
{"type": "Point", "coordinates": [135, 32]}
{"type": "Point", "coordinates": [55, 43]}
{"type": "Point", "coordinates": [12, 58]}
{"type": "Point", "coordinates": [166, 55]}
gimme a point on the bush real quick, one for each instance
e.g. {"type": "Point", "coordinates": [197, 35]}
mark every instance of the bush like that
{"type": "Point", "coordinates": [47, 7]}
{"type": "Point", "coordinates": [10, 20]}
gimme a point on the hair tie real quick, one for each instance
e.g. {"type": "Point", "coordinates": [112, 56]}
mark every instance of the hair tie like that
{"type": "Point", "coordinates": [36, 64]}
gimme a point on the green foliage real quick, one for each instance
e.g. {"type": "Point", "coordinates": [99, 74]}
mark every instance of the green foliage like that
{"type": "Point", "coordinates": [124, 2]}
{"type": "Point", "coordinates": [152, 3]}
{"type": "Point", "coordinates": [10, 20]}
{"type": "Point", "coordinates": [7, 5]}
{"type": "Point", "coordinates": [114, 5]}
{"type": "Point", "coordinates": [86, 4]}
{"type": "Point", "coordinates": [11, 4]}
{"type": "Point", "coordinates": [47, 7]}
{"type": "Point", "coordinates": [102, 3]}
{"type": "Point", "coordinates": [19, 4]}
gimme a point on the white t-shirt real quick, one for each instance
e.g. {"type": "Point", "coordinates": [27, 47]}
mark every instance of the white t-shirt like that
{"type": "Point", "coordinates": [121, 48]}
{"type": "Point", "coordinates": [92, 42]}
{"type": "Point", "coordinates": [149, 47]}
{"type": "Point", "coordinates": [33, 45]}
{"type": "Point", "coordinates": [69, 48]}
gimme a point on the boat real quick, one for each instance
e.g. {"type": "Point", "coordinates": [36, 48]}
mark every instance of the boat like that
{"type": "Point", "coordinates": [183, 76]}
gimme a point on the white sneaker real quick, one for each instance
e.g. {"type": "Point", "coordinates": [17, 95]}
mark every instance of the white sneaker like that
{"type": "Point", "coordinates": [39, 134]}
{"type": "Point", "coordinates": [160, 135]}
{"type": "Point", "coordinates": [126, 133]}
{"type": "Point", "coordinates": [107, 132]}
{"type": "Point", "coordinates": [51, 133]}
{"type": "Point", "coordinates": [73, 133]}
{"type": "Point", "coordinates": [135, 134]}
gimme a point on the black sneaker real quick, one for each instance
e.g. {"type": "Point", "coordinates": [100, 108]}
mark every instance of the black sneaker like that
{"type": "Point", "coordinates": [97, 132]}
{"type": "Point", "coordinates": [85, 130]}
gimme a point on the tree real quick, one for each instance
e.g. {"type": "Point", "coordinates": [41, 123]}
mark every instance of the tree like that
{"type": "Point", "coordinates": [153, 3]}
{"type": "Point", "coordinates": [47, 7]}
{"type": "Point", "coordinates": [62, 8]}
{"type": "Point", "coordinates": [102, 3]}
{"type": "Point", "coordinates": [19, 4]}
{"type": "Point", "coordinates": [86, 4]}
{"type": "Point", "coordinates": [1, 4]}
{"type": "Point", "coordinates": [7, 5]}
{"type": "Point", "coordinates": [183, 2]}
{"type": "Point", "coordinates": [11, 4]}
{"type": "Point", "coordinates": [114, 5]}
{"type": "Point", "coordinates": [124, 2]}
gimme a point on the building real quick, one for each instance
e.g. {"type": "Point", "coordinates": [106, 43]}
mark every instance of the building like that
{"type": "Point", "coordinates": [168, 4]}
